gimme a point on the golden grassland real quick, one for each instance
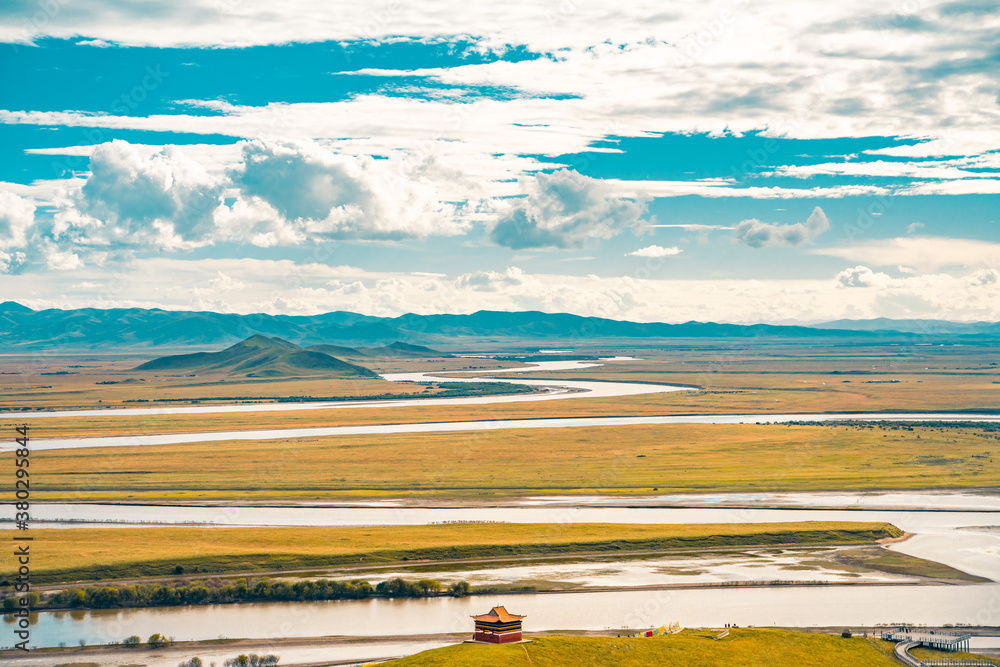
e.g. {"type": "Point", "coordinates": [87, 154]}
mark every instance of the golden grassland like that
{"type": "Point", "coordinates": [726, 395]}
{"type": "Point", "coordinates": [732, 381]}
{"type": "Point", "coordinates": [635, 459]}
{"type": "Point", "coordinates": [97, 381]}
{"type": "Point", "coordinates": [77, 554]}
{"type": "Point", "coordinates": [950, 395]}
{"type": "Point", "coordinates": [690, 648]}
{"type": "Point", "coordinates": [84, 392]}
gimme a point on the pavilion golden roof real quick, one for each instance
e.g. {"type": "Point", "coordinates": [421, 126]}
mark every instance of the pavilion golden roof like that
{"type": "Point", "coordinates": [498, 615]}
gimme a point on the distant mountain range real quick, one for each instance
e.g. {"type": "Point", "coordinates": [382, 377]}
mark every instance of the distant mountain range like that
{"type": "Point", "coordinates": [926, 327]}
{"type": "Point", "coordinates": [259, 356]}
{"type": "Point", "coordinates": [137, 328]}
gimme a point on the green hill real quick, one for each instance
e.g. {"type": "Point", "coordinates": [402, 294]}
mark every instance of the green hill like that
{"type": "Point", "coordinates": [259, 356]}
{"type": "Point", "coordinates": [691, 648]}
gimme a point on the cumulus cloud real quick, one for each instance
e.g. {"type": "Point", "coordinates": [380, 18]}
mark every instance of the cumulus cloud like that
{"type": "Point", "coordinates": [133, 198]}
{"type": "Point", "coordinates": [61, 260]}
{"type": "Point", "coordinates": [491, 281]}
{"type": "Point", "coordinates": [17, 216]}
{"type": "Point", "coordinates": [862, 276]}
{"type": "Point", "coordinates": [9, 260]}
{"type": "Point", "coordinates": [983, 277]}
{"type": "Point", "coordinates": [297, 190]}
{"type": "Point", "coordinates": [564, 209]}
{"type": "Point", "coordinates": [757, 234]}
{"type": "Point", "coordinates": [654, 251]}
{"type": "Point", "coordinates": [922, 289]}
{"type": "Point", "coordinates": [220, 283]}
{"type": "Point", "coordinates": [272, 193]}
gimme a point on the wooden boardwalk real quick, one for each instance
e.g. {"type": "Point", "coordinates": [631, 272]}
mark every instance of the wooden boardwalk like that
{"type": "Point", "coordinates": [907, 639]}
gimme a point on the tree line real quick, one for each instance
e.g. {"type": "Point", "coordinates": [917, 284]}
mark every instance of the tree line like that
{"type": "Point", "coordinates": [239, 590]}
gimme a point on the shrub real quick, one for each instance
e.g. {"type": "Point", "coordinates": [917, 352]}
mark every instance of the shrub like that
{"type": "Point", "coordinates": [460, 589]}
{"type": "Point", "coordinates": [252, 660]}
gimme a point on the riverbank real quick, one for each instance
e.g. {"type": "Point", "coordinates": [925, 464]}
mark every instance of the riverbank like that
{"type": "Point", "coordinates": [294, 651]}
{"type": "Point", "coordinates": [91, 554]}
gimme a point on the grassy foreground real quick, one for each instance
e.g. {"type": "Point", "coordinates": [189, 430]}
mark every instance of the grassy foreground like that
{"type": "Point", "coordinates": [690, 648]}
{"type": "Point", "coordinates": [693, 458]}
{"type": "Point", "coordinates": [88, 554]}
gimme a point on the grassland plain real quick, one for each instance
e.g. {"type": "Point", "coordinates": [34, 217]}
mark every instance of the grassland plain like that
{"type": "Point", "coordinates": [50, 382]}
{"type": "Point", "coordinates": [690, 648]}
{"type": "Point", "coordinates": [88, 554]}
{"type": "Point", "coordinates": [646, 459]}
{"type": "Point", "coordinates": [735, 395]}
{"type": "Point", "coordinates": [732, 381]}
{"type": "Point", "coordinates": [971, 395]}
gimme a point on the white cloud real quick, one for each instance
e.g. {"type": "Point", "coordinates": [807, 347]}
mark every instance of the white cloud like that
{"type": "Point", "coordinates": [914, 226]}
{"type": "Point", "coordinates": [271, 193]}
{"type": "Point", "coordinates": [61, 260]}
{"type": "Point", "coordinates": [629, 70]}
{"type": "Point", "coordinates": [132, 199]}
{"type": "Point", "coordinates": [10, 260]}
{"type": "Point", "coordinates": [17, 216]}
{"type": "Point", "coordinates": [757, 234]}
{"type": "Point", "coordinates": [654, 251]}
{"type": "Point", "coordinates": [264, 287]}
{"type": "Point", "coordinates": [923, 252]}
{"type": "Point", "coordinates": [715, 66]}
{"type": "Point", "coordinates": [940, 170]}
{"type": "Point", "coordinates": [219, 284]}
{"type": "Point", "coordinates": [310, 192]}
{"type": "Point", "coordinates": [968, 186]}
{"type": "Point", "coordinates": [982, 277]}
{"type": "Point", "coordinates": [862, 276]}
{"type": "Point", "coordinates": [491, 281]}
{"type": "Point", "coordinates": [564, 209]}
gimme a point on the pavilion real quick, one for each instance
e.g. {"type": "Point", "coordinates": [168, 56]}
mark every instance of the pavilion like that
{"type": "Point", "coordinates": [499, 626]}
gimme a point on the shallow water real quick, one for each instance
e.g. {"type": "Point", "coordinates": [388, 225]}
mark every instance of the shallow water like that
{"type": "Point", "coordinates": [939, 532]}
{"type": "Point", "coordinates": [742, 566]}
{"type": "Point", "coordinates": [552, 390]}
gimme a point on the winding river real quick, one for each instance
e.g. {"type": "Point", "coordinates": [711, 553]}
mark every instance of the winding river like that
{"type": "Point", "coordinates": [548, 390]}
{"type": "Point", "coordinates": [956, 529]}
{"type": "Point", "coordinates": [774, 606]}
{"type": "Point", "coordinates": [486, 425]}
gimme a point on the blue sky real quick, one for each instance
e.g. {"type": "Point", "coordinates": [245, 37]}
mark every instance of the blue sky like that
{"type": "Point", "coordinates": [718, 161]}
